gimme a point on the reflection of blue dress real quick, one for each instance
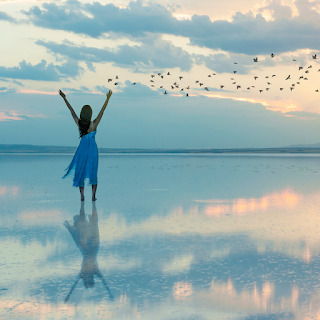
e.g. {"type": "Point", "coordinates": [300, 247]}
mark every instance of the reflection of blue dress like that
{"type": "Point", "coordinates": [85, 161]}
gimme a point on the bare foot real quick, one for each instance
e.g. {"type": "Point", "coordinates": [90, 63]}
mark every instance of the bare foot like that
{"type": "Point", "coordinates": [94, 198]}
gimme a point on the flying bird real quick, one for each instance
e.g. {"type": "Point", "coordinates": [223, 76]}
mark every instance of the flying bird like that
{"type": "Point", "coordinates": [168, 74]}
{"type": "Point", "coordinates": [109, 80]}
{"type": "Point", "coordinates": [152, 76]}
{"type": "Point", "coordinates": [267, 89]}
{"type": "Point", "coordinates": [221, 86]}
{"type": "Point", "coordinates": [309, 66]}
{"type": "Point", "coordinates": [272, 55]}
{"type": "Point", "coordinates": [205, 88]}
{"type": "Point", "coordinates": [159, 74]}
{"type": "Point", "coordinates": [268, 83]}
{"type": "Point", "coordinates": [165, 92]}
{"type": "Point", "coordinates": [255, 59]}
{"type": "Point", "coordinates": [200, 84]}
{"type": "Point", "coordinates": [305, 78]}
{"type": "Point", "coordinates": [291, 88]}
{"type": "Point", "coordinates": [172, 87]}
{"type": "Point", "coordinates": [117, 77]}
{"type": "Point", "coordinates": [260, 91]}
{"type": "Point", "coordinates": [317, 90]}
{"type": "Point", "coordinates": [300, 68]}
{"type": "Point", "coordinates": [281, 89]}
{"type": "Point", "coordinates": [134, 83]}
{"type": "Point", "coordinates": [180, 78]}
{"type": "Point", "coordinates": [161, 77]}
{"type": "Point", "coordinates": [235, 62]}
{"type": "Point", "coordinates": [161, 87]}
{"type": "Point", "coordinates": [181, 89]}
{"type": "Point", "coordinates": [188, 87]}
{"type": "Point", "coordinates": [255, 78]}
{"type": "Point", "coordinates": [209, 75]}
{"type": "Point", "coordinates": [151, 81]}
{"type": "Point", "coordinates": [248, 88]}
{"type": "Point", "coordinates": [301, 77]}
{"type": "Point", "coordinates": [233, 82]}
{"type": "Point", "coordinates": [197, 81]}
{"type": "Point", "coordinates": [288, 77]}
{"type": "Point", "coordinates": [116, 84]}
{"type": "Point", "coordinates": [234, 71]}
{"type": "Point", "coordinates": [273, 75]}
{"type": "Point", "coordinates": [314, 57]}
{"type": "Point", "coordinates": [187, 95]}
{"type": "Point", "coordinates": [294, 60]}
{"type": "Point", "coordinates": [238, 87]}
{"type": "Point", "coordinates": [267, 76]}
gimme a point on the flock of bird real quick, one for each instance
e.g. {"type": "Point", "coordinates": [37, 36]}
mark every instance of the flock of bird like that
{"type": "Point", "coordinates": [176, 85]}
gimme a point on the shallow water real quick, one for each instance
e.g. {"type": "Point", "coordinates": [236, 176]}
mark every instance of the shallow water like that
{"type": "Point", "coordinates": [171, 237]}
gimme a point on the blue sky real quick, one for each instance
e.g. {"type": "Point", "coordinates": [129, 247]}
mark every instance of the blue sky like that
{"type": "Point", "coordinates": [77, 46]}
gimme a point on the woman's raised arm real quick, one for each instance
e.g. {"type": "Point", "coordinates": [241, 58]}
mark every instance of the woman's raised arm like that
{"type": "Point", "coordinates": [74, 116]}
{"type": "Point", "coordinates": [98, 118]}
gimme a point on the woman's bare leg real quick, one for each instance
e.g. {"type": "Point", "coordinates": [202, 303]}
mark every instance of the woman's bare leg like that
{"type": "Point", "coordinates": [94, 189]}
{"type": "Point", "coordinates": [82, 193]}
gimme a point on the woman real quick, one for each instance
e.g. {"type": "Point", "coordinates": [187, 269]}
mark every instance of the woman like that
{"type": "Point", "coordinates": [85, 160]}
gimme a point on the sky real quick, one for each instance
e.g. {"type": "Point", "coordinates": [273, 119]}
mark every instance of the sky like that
{"type": "Point", "coordinates": [76, 46]}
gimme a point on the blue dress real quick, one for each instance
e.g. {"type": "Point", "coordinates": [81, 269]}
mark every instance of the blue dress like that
{"type": "Point", "coordinates": [85, 161]}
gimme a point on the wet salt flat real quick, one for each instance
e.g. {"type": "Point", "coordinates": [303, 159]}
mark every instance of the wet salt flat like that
{"type": "Point", "coordinates": [170, 237]}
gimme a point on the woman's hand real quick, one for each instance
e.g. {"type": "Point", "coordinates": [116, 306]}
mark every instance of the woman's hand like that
{"type": "Point", "coordinates": [109, 95]}
{"type": "Point", "coordinates": [62, 94]}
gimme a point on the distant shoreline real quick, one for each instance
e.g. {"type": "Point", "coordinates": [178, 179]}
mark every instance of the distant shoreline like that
{"type": "Point", "coordinates": [6, 148]}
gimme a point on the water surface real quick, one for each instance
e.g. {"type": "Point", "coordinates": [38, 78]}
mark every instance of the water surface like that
{"type": "Point", "coordinates": [170, 237]}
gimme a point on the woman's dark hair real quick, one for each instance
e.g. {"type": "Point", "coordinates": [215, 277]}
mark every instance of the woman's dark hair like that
{"type": "Point", "coordinates": [85, 119]}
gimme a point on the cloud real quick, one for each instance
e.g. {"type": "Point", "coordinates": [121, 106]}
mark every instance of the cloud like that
{"type": "Point", "coordinates": [153, 53]}
{"type": "Point", "coordinates": [6, 116]}
{"type": "Point", "coordinates": [4, 90]}
{"type": "Point", "coordinates": [6, 17]}
{"type": "Point", "coordinates": [245, 33]}
{"type": "Point", "coordinates": [41, 71]}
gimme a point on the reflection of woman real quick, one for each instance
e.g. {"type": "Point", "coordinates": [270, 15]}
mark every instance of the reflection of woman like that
{"type": "Point", "coordinates": [86, 236]}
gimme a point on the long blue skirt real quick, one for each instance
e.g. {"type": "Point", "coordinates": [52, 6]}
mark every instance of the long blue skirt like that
{"type": "Point", "coordinates": [85, 161]}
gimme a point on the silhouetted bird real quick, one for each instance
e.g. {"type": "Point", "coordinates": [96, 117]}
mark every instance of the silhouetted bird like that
{"type": "Point", "coordinates": [200, 84]}
{"type": "Point", "coordinates": [305, 78]}
{"type": "Point", "coordinates": [234, 71]}
{"type": "Point", "coordinates": [260, 91]}
{"type": "Point", "coordinates": [298, 82]}
{"type": "Point", "coordinates": [267, 76]}
{"type": "Point", "coordinates": [300, 68]}
{"type": "Point", "coordinates": [293, 85]}
{"type": "Point", "coordinates": [233, 82]}
{"type": "Point", "coordinates": [134, 83]}
{"type": "Point", "coordinates": [152, 85]}
{"type": "Point", "coordinates": [248, 88]}
{"type": "Point", "coordinates": [235, 62]}
{"type": "Point", "coordinates": [180, 78]}
{"type": "Point", "coordinates": [314, 57]}
{"type": "Point", "coordinates": [301, 77]}
{"type": "Point", "coordinates": [255, 59]}
{"type": "Point", "coordinates": [281, 89]}
{"type": "Point", "coordinates": [172, 87]}
{"type": "Point", "coordinates": [317, 90]}
{"type": "Point", "coordinates": [165, 92]}
{"type": "Point", "coordinates": [151, 81]}
{"type": "Point", "coordinates": [291, 88]}
{"type": "Point", "coordinates": [238, 87]}
{"type": "Point", "coordinates": [294, 60]}
{"type": "Point", "coordinates": [231, 78]}
{"type": "Point", "coordinates": [255, 78]}
{"type": "Point", "coordinates": [268, 83]}
{"type": "Point", "coordinates": [181, 89]}
{"type": "Point", "coordinates": [221, 86]}
{"type": "Point", "coordinates": [152, 76]}
{"type": "Point", "coordinates": [159, 74]}
{"type": "Point", "coordinates": [168, 74]}
{"type": "Point", "coordinates": [213, 74]}
{"type": "Point", "coordinates": [205, 88]}
{"type": "Point", "coordinates": [161, 77]}
{"type": "Point", "coordinates": [209, 75]}
{"type": "Point", "coordinates": [109, 80]}
{"type": "Point", "coordinates": [267, 89]}
{"type": "Point", "coordinates": [116, 84]}
{"type": "Point", "coordinates": [288, 77]}
{"type": "Point", "coordinates": [187, 95]}
{"type": "Point", "coordinates": [197, 81]}
{"type": "Point", "coordinates": [273, 75]}
{"type": "Point", "coordinates": [188, 87]}
{"type": "Point", "coordinates": [117, 77]}
{"type": "Point", "coordinates": [307, 71]}
{"type": "Point", "coordinates": [161, 87]}
{"type": "Point", "coordinates": [272, 55]}
{"type": "Point", "coordinates": [309, 66]}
